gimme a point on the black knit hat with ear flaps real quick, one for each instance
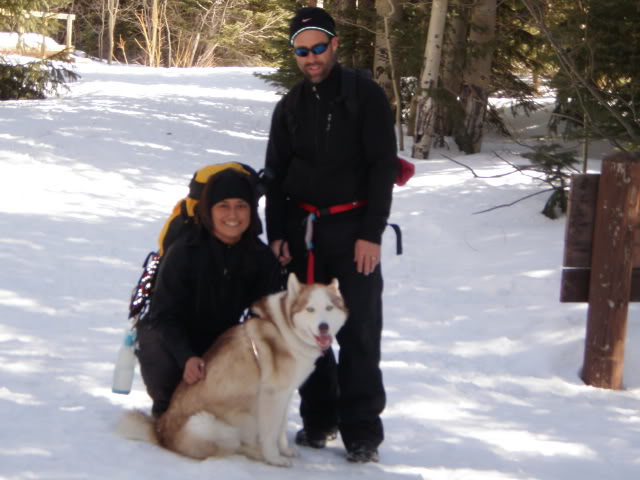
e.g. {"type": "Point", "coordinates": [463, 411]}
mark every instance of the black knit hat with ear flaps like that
{"type": "Point", "coordinates": [231, 183]}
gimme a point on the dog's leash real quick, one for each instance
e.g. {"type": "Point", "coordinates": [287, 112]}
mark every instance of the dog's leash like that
{"type": "Point", "coordinates": [314, 213]}
{"type": "Point", "coordinates": [254, 348]}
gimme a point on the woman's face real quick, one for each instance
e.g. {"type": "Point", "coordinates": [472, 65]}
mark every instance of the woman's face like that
{"type": "Point", "coordinates": [231, 218]}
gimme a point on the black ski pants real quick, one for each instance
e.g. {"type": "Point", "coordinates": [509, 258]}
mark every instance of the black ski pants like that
{"type": "Point", "coordinates": [160, 370]}
{"type": "Point", "coordinates": [348, 393]}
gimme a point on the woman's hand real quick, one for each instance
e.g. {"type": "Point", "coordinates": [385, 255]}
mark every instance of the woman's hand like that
{"type": "Point", "coordinates": [280, 249]}
{"type": "Point", "coordinates": [193, 370]}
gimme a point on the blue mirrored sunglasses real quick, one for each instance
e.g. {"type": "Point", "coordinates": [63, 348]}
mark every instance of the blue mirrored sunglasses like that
{"type": "Point", "coordinates": [316, 50]}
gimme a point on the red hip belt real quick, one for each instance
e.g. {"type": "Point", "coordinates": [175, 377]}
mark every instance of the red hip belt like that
{"type": "Point", "coordinates": [314, 214]}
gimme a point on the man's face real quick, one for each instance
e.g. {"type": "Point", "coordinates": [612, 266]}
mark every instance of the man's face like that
{"type": "Point", "coordinates": [316, 67]}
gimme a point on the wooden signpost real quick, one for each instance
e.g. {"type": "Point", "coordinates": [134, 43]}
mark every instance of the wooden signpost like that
{"type": "Point", "coordinates": [69, 17]}
{"type": "Point", "coordinates": [602, 261]}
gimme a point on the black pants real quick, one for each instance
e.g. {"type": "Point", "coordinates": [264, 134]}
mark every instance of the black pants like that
{"type": "Point", "coordinates": [160, 371]}
{"type": "Point", "coordinates": [349, 393]}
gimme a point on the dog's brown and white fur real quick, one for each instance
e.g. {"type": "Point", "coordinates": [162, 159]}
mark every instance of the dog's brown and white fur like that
{"type": "Point", "coordinates": [251, 373]}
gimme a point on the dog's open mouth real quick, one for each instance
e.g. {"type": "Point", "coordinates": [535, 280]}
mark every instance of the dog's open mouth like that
{"type": "Point", "coordinates": [324, 340]}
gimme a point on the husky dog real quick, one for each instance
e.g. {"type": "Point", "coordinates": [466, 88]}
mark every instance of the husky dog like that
{"type": "Point", "coordinates": [252, 371]}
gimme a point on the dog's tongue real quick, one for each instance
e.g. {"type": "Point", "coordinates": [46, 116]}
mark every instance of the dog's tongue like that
{"type": "Point", "coordinates": [324, 341]}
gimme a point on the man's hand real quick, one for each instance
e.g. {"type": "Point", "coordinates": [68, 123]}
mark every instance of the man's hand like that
{"type": "Point", "coordinates": [193, 370]}
{"type": "Point", "coordinates": [367, 256]}
{"type": "Point", "coordinates": [280, 249]}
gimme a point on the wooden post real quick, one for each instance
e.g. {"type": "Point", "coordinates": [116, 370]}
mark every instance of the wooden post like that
{"type": "Point", "coordinates": [69, 34]}
{"type": "Point", "coordinates": [69, 17]}
{"type": "Point", "coordinates": [583, 200]}
{"type": "Point", "coordinates": [617, 217]}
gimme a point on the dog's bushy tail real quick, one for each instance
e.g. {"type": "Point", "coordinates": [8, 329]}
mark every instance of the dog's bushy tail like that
{"type": "Point", "coordinates": [136, 425]}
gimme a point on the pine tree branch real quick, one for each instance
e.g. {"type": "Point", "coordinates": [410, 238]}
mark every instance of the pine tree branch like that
{"type": "Point", "coordinates": [514, 202]}
{"type": "Point", "coordinates": [354, 24]}
{"type": "Point", "coordinates": [516, 169]}
{"type": "Point", "coordinates": [481, 176]}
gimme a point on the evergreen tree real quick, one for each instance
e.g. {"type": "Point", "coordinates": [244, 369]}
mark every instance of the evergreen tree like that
{"type": "Point", "coordinates": [39, 78]}
{"type": "Point", "coordinates": [520, 51]}
{"type": "Point", "coordinates": [34, 80]}
{"type": "Point", "coordinates": [15, 20]}
{"type": "Point", "coordinates": [598, 74]}
{"type": "Point", "coordinates": [287, 73]}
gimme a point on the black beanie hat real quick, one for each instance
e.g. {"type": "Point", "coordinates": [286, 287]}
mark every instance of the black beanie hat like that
{"type": "Point", "coordinates": [230, 183]}
{"type": "Point", "coordinates": [311, 18]}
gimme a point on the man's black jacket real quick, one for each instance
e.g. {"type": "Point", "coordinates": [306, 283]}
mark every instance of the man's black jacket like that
{"type": "Point", "coordinates": [323, 152]}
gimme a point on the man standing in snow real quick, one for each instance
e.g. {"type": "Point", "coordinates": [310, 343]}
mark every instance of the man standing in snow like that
{"type": "Point", "coordinates": [331, 156]}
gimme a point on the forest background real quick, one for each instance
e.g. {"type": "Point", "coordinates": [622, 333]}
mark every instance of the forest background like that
{"type": "Point", "coordinates": [439, 61]}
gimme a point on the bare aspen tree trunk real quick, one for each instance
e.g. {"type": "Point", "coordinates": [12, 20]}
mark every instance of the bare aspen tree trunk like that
{"type": "Point", "coordinates": [383, 64]}
{"type": "Point", "coordinates": [112, 7]}
{"type": "Point", "coordinates": [167, 27]}
{"type": "Point", "coordinates": [151, 24]}
{"type": "Point", "coordinates": [425, 113]}
{"type": "Point", "coordinates": [386, 9]}
{"type": "Point", "coordinates": [155, 27]}
{"type": "Point", "coordinates": [413, 103]}
{"type": "Point", "coordinates": [103, 14]}
{"type": "Point", "coordinates": [477, 76]}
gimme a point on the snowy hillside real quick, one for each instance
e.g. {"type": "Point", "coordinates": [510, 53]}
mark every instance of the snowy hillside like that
{"type": "Point", "coordinates": [480, 359]}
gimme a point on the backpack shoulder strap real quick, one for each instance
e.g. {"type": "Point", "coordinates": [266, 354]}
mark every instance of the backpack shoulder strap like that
{"type": "Point", "coordinates": [181, 216]}
{"type": "Point", "coordinates": [291, 101]}
{"type": "Point", "coordinates": [349, 87]}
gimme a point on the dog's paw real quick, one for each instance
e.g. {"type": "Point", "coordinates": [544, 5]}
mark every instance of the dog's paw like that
{"type": "Point", "coordinates": [278, 461]}
{"type": "Point", "coordinates": [289, 452]}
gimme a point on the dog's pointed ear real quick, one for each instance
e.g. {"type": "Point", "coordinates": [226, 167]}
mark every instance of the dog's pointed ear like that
{"type": "Point", "coordinates": [293, 285]}
{"type": "Point", "coordinates": [335, 285]}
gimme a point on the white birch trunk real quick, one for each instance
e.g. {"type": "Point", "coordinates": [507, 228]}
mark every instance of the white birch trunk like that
{"type": "Point", "coordinates": [112, 7]}
{"type": "Point", "coordinates": [383, 64]}
{"type": "Point", "coordinates": [381, 59]}
{"type": "Point", "coordinates": [155, 29]}
{"type": "Point", "coordinates": [425, 117]}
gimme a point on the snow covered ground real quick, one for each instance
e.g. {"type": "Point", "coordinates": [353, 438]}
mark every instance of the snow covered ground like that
{"type": "Point", "coordinates": [481, 361]}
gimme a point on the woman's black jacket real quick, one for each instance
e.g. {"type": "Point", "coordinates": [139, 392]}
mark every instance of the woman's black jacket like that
{"type": "Point", "coordinates": [204, 286]}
